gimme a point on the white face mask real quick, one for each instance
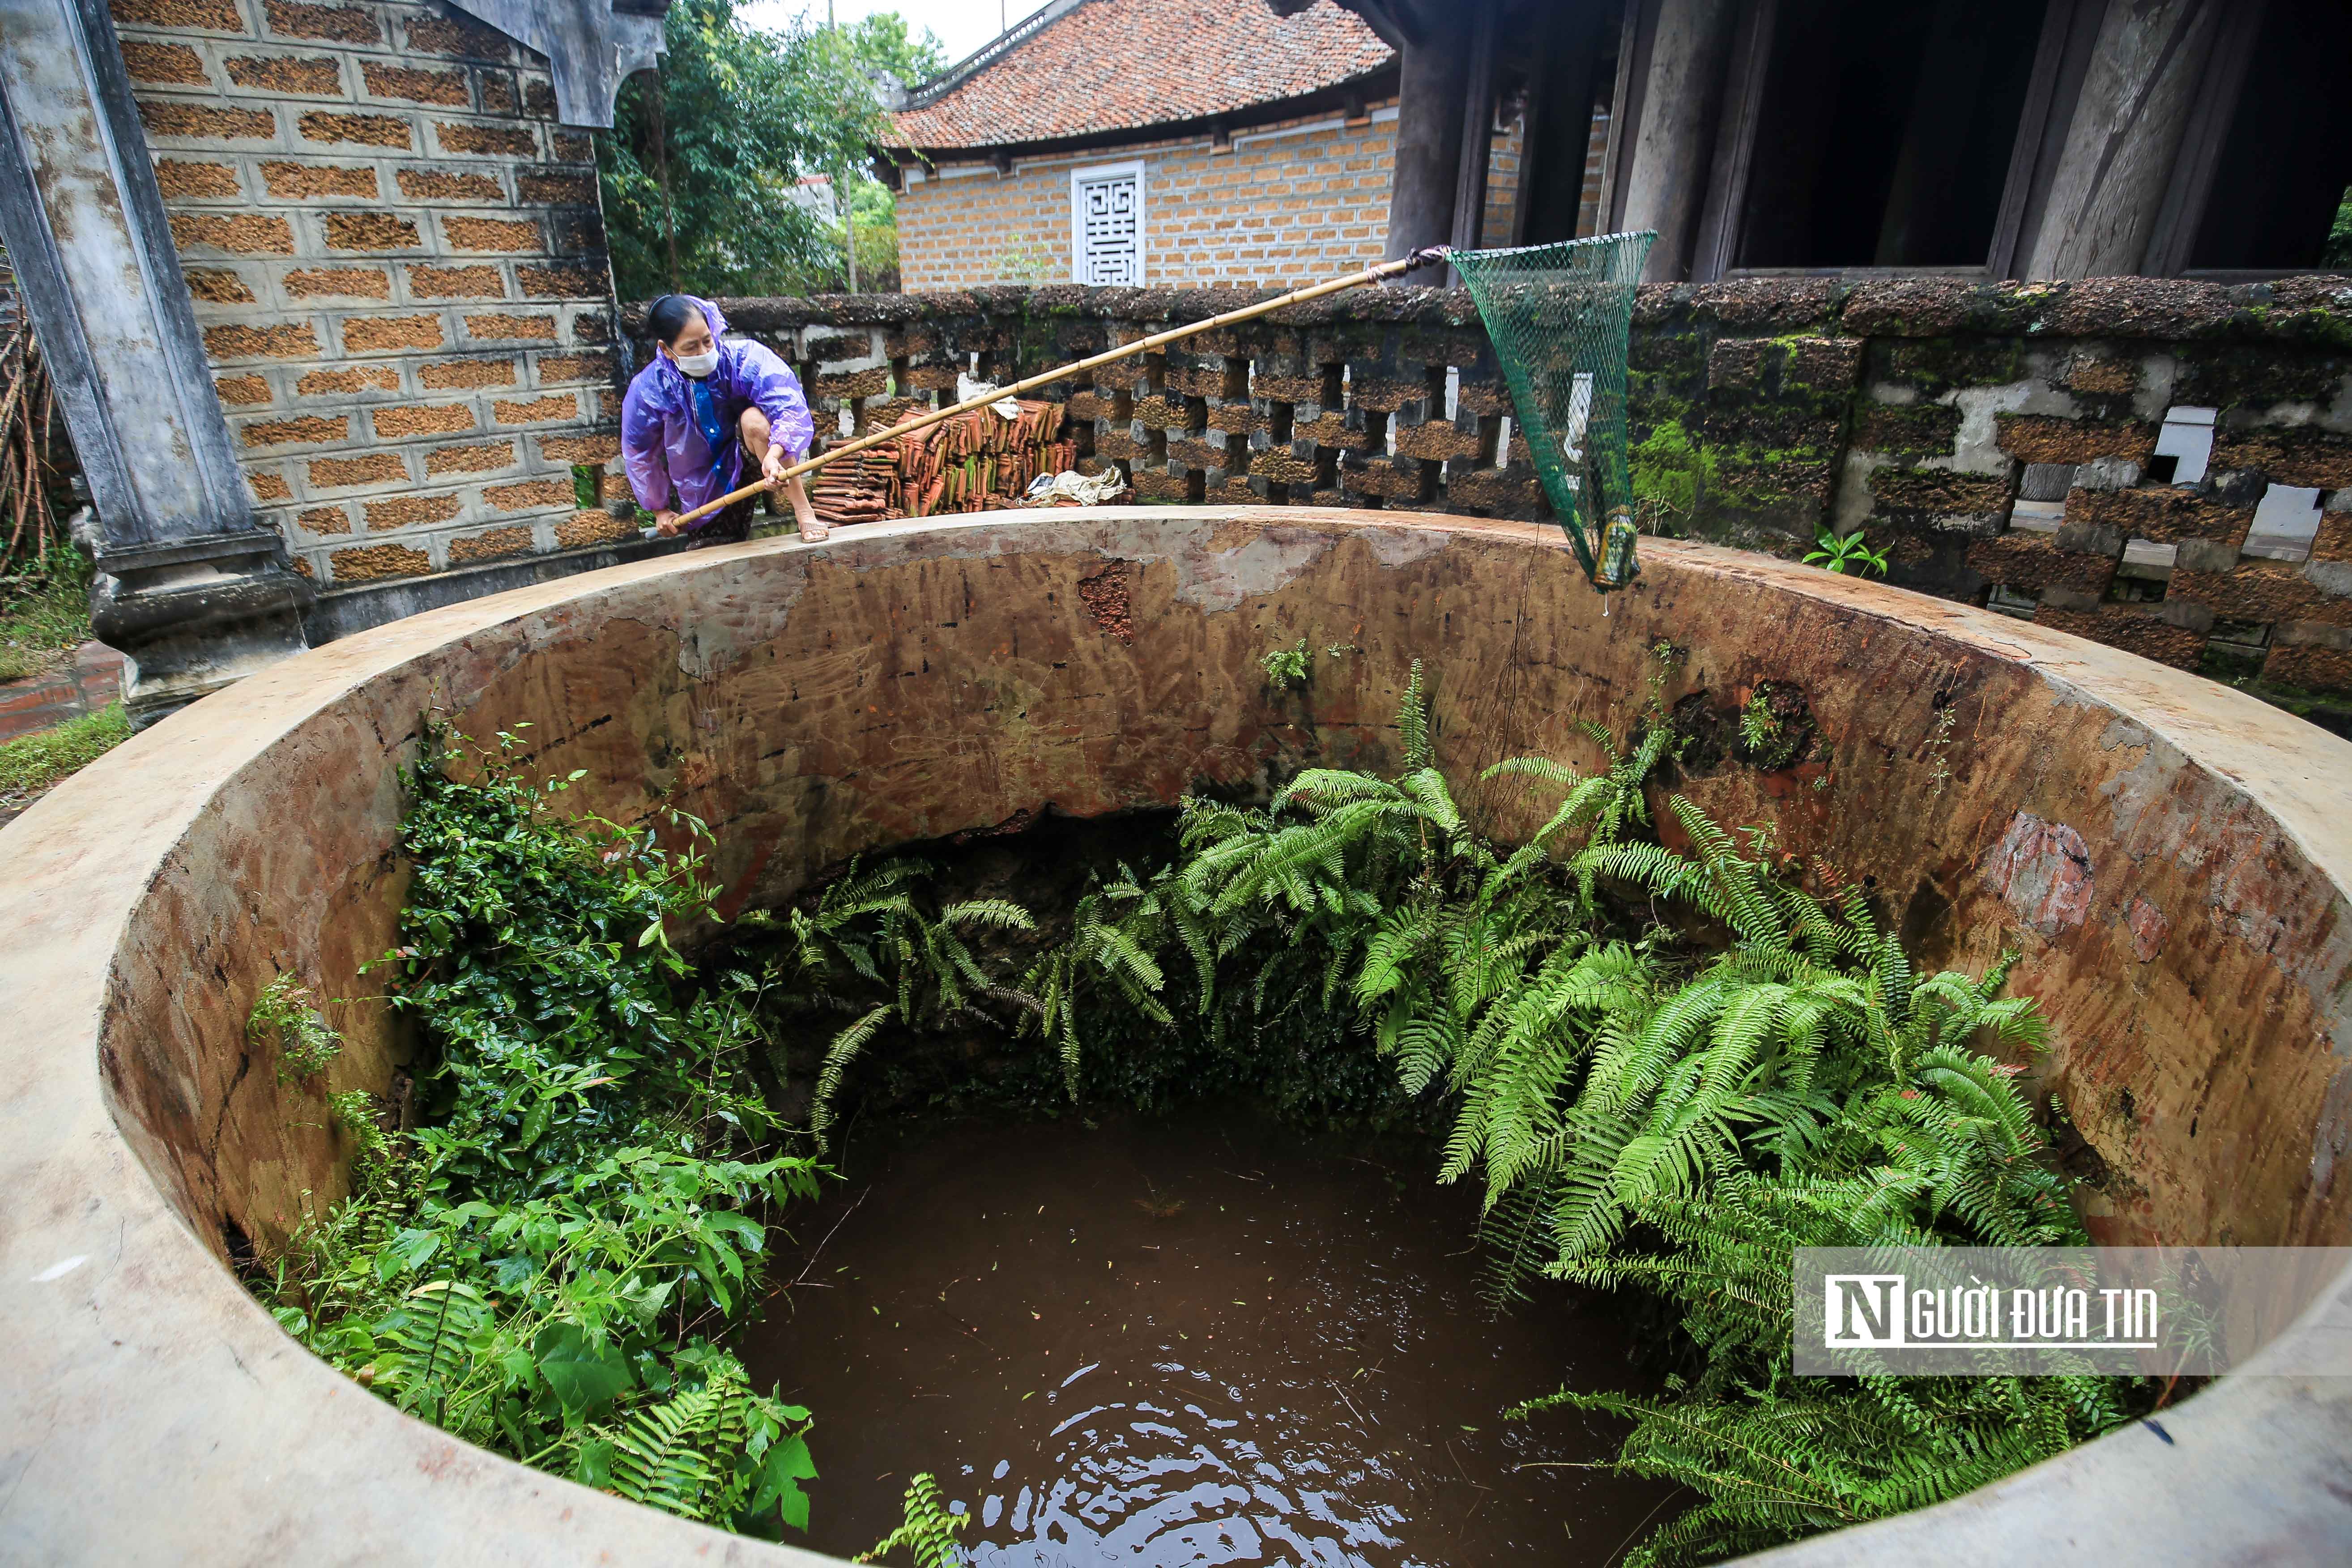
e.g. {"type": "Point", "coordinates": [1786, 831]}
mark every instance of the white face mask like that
{"type": "Point", "coordinates": [697, 365]}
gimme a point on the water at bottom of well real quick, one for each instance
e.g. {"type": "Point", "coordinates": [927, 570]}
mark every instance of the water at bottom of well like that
{"type": "Point", "coordinates": [1178, 1343]}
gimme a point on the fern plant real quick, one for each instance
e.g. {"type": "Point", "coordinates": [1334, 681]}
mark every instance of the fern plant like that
{"type": "Point", "coordinates": [1645, 1110]}
{"type": "Point", "coordinates": [1288, 668]}
{"type": "Point", "coordinates": [928, 1532]}
{"type": "Point", "coordinates": [1114, 927]}
{"type": "Point", "coordinates": [873, 933]}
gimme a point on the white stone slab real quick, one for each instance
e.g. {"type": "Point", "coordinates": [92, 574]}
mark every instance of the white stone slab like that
{"type": "Point", "coordinates": [2286, 522]}
{"type": "Point", "coordinates": [2187, 435]}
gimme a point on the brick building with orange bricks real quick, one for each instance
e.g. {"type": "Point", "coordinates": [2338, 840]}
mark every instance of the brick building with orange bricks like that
{"type": "Point", "coordinates": [398, 268]}
{"type": "Point", "coordinates": [1063, 152]}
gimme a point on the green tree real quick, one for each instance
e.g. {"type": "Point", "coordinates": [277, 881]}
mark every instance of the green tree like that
{"type": "Point", "coordinates": [881, 44]}
{"type": "Point", "coordinates": [705, 155]}
{"type": "Point", "coordinates": [884, 42]}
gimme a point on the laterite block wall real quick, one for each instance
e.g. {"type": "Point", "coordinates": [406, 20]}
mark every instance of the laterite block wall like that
{"type": "Point", "coordinates": [398, 265]}
{"type": "Point", "coordinates": [1383, 398]}
{"type": "Point", "coordinates": [1998, 441]}
{"type": "Point", "coordinates": [2161, 464]}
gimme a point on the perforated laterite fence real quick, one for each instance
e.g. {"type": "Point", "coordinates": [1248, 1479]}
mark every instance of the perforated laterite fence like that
{"type": "Point", "coordinates": [1560, 317]}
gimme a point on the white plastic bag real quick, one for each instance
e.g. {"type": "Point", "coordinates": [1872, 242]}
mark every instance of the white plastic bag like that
{"type": "Point", "coordinates": [1072, 485]}
{"type": "Point", "coordinates": [967, 389]}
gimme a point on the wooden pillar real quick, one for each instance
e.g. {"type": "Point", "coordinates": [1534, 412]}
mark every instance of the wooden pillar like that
{"type": "Point", "coordinates": [1432, 79]}
{"type": "Point", "coordinates": [2116, 162]}
{"type": "Point", "coordinates": [1569, 46]}
{"type": "Point", "coordinates": [1477, 141]}
{"type": "Point", "coordinates": [190, 585]}
{"type": "Point", "coordinates": [1667, 177]}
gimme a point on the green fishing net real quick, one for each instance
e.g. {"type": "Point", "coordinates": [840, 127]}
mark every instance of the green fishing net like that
{"type": "Point", "coordinates": [1560, 316]}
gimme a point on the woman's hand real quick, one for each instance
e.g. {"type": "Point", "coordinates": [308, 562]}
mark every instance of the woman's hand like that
{"type": "Point", "coordinates": [666, 524]}
{"type": "Point", "coordinates": [773, 464]}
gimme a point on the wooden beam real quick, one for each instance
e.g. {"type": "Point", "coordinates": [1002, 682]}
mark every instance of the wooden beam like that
{"type": "Point", "coordinates": [2171, 246]}
{"type": "Point", "coordinates": [1427, 164]}
{"type": "Point", "coordinates": [2033, 127]}
{"type": "Point", "coordinates": [1667, 179]}
{"type": "Point", "coordinates": [2125, 133]}
{"type": "Point", "coordinates": [1625, 108]}
{"type": "Point", "coordinates": [1478, 135]}
{"type": "Point", "coordinates": [1721, 221]}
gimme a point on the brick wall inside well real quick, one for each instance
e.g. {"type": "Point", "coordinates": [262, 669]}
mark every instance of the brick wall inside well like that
{"type": "Point", "coordinates": [398, 267]}
{"type": "Point", "coordinates": [1999, 442]}
{"type": "Point", "coordinates": [1286, 204]}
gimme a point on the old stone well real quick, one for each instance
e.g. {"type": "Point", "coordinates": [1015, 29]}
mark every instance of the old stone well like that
{"type": "Point", "coordinates": [2172, 858]}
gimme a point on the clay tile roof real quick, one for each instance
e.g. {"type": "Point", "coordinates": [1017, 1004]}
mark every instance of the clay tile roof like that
{"type": "Point", "coordinates": [1124, 65]}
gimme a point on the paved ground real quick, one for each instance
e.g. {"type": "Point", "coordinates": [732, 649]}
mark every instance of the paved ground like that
{"type": "Point", "coordinates": [84, 684]}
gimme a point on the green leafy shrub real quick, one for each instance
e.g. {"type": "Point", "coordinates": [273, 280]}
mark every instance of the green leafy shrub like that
{"type": "Point", "coordinates": [699, 172]}
{"type": "Point", "coordinates": [541, 1266]}
{"type": "Point", "coordinates": [285, 1017]}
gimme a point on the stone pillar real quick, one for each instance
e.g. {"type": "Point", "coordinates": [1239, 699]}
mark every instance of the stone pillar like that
{"type": "Point", "coordinates": [1432, 80]}
{"type": "Point", "coordinates": [190, 587]}
{"type": "Point", "coordinates": [1667, 177]}
{"type": "Point", "coordinates": [2122, 142]}
{"type": "Point", "coordinates": [592, 46]}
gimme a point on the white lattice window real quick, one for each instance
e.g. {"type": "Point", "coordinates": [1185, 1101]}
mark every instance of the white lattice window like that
{"type": "Point", "coordinates": [1107, 223]}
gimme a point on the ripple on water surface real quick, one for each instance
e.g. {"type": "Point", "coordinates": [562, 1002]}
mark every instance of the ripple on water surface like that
{"type": "Point", "coordinates": [1167, 1344]}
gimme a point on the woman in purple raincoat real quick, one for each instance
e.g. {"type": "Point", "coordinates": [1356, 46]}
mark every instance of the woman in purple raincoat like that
{"type": "Point", "coordinates": [697, 410]}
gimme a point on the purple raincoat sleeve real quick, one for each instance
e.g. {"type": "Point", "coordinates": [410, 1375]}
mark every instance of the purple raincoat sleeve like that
{"type": "Point", "coordinates": [769, 382]}
{"type": "Point", "coordinates": [642, 434]}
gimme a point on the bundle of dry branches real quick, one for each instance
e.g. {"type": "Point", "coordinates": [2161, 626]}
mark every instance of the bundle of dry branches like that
{"type": "Point", "coordinates": [27, 411]}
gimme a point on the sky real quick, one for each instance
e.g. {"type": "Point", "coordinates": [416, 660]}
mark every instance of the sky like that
{"type": "Point", "coordinates": [962, 26]}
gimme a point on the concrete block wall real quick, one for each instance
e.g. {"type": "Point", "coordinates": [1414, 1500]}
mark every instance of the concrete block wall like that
{"type": "Point", "coordinates": [1286, 203]}
{"type": "Point", "coordinates": [2163, 466]}
{"type": "Point", "coordinates": [399, 269]}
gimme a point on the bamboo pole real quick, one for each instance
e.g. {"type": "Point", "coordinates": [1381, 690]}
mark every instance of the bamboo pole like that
{"type": "Point", "coordinates": [1429, 256]}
